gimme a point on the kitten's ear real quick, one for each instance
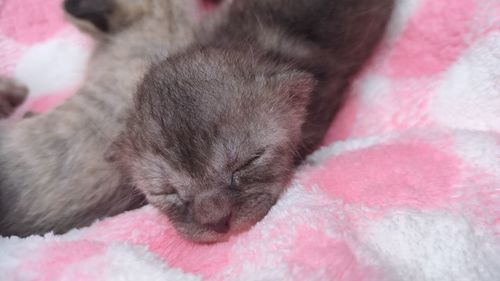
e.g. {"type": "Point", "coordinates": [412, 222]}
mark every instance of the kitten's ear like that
{"type": "Point", "coordinates": [298, 86]}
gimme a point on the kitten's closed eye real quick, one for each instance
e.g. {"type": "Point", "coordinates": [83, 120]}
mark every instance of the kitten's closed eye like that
{"type": "Point", "coordinates": [171, 194]}
{"type": "Point", "coordinates": [161, 193]}
{"type": "Point", "coordinates": [250, 161]}
{"type": "Point", "coordinates": [163, 190]}
{"type": "Point", "coordinates": [241, 168]}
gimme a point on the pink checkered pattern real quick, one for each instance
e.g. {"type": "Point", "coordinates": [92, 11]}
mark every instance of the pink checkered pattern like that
{"type": "Point", "coordinates": [406, 186]}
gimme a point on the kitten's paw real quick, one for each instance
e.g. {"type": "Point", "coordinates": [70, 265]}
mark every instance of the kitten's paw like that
{"type": "Point", "coordinates": [99, 17]}
{"type": "Point", "coordinates": [89, 15]}
{"type": "Point", "coordinates": [12, 95]}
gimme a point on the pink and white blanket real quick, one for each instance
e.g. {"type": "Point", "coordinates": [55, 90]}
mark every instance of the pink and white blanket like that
{"type": "Point", "coordinates": [406, 187]}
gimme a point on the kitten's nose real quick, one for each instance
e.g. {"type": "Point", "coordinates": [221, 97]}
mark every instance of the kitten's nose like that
{"type": "Point", "coordinates": [221, 226]}
{"type": "Point", "coordinates": [213, 211]}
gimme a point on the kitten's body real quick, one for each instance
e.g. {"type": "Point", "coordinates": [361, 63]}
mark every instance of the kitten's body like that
{"type": "Point", "coordinates": [53, 175]}
{"type": "Point", "coordinates": [216, 130]}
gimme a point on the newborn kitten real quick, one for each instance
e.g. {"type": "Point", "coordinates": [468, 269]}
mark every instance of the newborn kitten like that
{"type": "Point", "coordinates": [217, 130]}
{"type": "Point", "coordinates": [53, 175]}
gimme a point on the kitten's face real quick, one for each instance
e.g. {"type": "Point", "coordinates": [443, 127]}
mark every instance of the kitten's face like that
{"type": "Point", "coordinates": [212, 144]}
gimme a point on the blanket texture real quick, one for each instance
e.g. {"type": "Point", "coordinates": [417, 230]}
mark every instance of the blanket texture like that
{"type": "Point", "coordinates": [406, 186]}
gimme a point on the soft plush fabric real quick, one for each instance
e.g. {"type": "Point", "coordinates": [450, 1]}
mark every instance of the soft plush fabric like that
{"type": "Point", "coordinates": [406, 187]}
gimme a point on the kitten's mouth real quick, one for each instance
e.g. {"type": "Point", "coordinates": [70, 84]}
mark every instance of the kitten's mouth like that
{"type": "Point", "coordinates": [205, 236]}
{"type": "Point", "coordinates": [209, 235]}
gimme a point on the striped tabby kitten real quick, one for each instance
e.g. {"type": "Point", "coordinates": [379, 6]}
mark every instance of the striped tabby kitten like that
{"type": "Point", "coordinates": [53, 174]}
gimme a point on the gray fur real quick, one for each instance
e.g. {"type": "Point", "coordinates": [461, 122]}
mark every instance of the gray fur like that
{"type": "Point", "coordinates": [53, 175]}
{"type": "Point", "coordinates": [217, 130]}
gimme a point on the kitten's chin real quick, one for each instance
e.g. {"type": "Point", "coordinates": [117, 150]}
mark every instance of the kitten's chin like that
{"type": "Point", "coordinates": [203, 236]}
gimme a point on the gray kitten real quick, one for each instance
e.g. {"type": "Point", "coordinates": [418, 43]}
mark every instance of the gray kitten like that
{"type": "Point", "coordinates": [216, 131]}
{"type": "Point", "coordinates": [53, 175]}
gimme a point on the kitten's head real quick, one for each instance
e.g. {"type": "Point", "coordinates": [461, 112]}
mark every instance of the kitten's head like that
{"type": "Point", "coordinates": [212, 139]}
{"type": "Point", "coordinates": [105, 17]}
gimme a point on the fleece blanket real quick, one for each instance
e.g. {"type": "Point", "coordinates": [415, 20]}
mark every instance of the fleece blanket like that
{"type": "Point", "coordinates": [405, 187]}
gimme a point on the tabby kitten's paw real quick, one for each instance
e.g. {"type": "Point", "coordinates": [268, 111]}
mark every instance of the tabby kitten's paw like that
{"type": "Point", "coordinates": [12, 95]}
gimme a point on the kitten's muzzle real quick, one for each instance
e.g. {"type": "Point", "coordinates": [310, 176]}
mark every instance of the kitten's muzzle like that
{"type": "Point", "coordinates": [213, 211]}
